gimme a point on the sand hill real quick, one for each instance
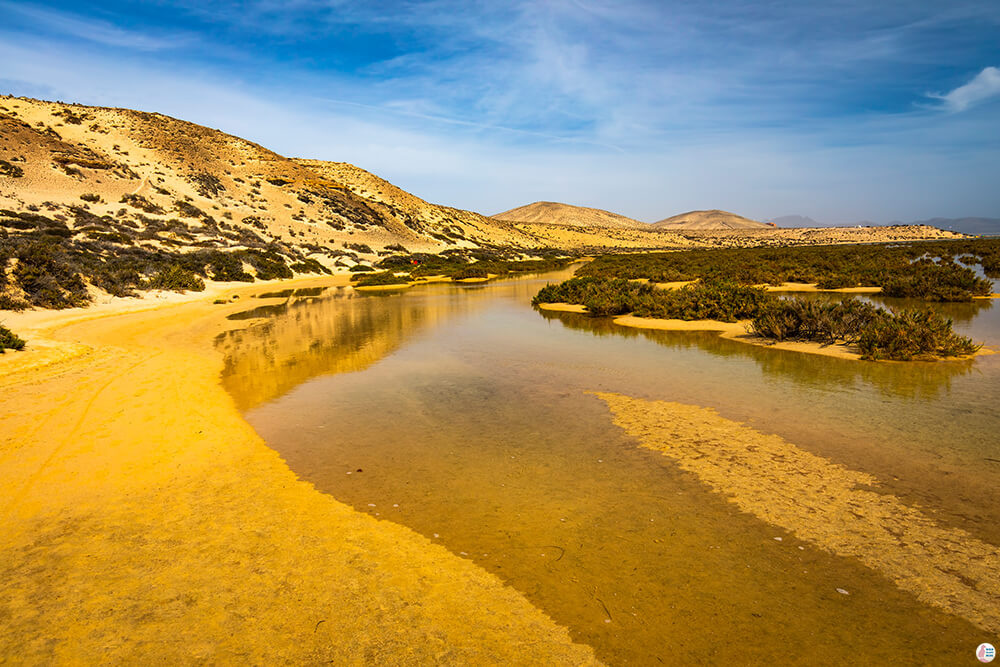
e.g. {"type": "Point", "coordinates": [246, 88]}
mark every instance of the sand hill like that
{"type": "Point", "coordinates": [554, 213]}
{"type": "Point", "coordinates": [713, 219]}
{"type": "Point", "coordinates": [130, 175]}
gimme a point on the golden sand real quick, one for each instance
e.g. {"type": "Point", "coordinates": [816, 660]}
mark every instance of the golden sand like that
{"type": "Point", "coordinates": [145, 521]}
{"type": "Point", "coordinates": [835, 508]}
{"type": "Point", "coordinates": [563, 307]}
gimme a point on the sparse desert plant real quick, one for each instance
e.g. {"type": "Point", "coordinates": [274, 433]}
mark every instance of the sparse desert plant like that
{"type": "Point", "coordinates": [10, 170]}
{"type": "Point", "coordinates": [91, 197]}
{"type": "Point", "coordinates": [359, 247]}
{"type": "Point", "coordinates": [308, 265]}
{"type": "Point", "coordinates": [141, 203]}
{"type": "Point", "coordinates": [9, 340]}
{"type": "Point", "coordinates": [186, 209]}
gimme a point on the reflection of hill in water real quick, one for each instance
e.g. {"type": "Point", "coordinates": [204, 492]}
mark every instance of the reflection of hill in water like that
{"type": "Point", "coordinates": [906, 380]}
{"type": "Point", "coordinates": [314, 333]}
{"type": "Point", "coordinates": [303, 338]}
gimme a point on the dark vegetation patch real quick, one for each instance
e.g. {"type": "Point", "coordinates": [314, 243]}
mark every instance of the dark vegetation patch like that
{"type": "Point", "coordinates": [141, 203]}
{"type": "Point", "coordinates": [359, 247]}
{"type": "Point", "coordinates": [926, 270]}
{"type": "Point", "coordinates": [876, 332]}
{"type": "Point", "coordinates": [308, 265]}
{"type": "Point", "coordinates": [468, 273]}
{"type": "Point", "coordinates": [81, 157]}
{"type": "Point", "coordinates": [9, 340]}
{"type": "Point", "coordinates": [208, 185]}
{"type": "Point", "coordinates": [47, 275]}
{"type": "Point", "coordinates": [10, 170]}
{"type": "Point", "coordinates": [710, 300]}
{"type": "Point", "coordinates": [187, 209]}
{"type": "Point", "coordinates": [380, 278]}
{"type": "Point", "coordinates": [471, 263]}
{"type": "Point", "coordinates": [48, 268]}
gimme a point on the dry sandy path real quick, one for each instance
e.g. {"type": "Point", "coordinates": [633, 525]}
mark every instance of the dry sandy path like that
{"type": "Point", "coordinates": [144, 521]}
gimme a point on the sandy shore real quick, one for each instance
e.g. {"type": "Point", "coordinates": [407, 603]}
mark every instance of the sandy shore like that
{"type": "Point", "coordinates": [145, 521]}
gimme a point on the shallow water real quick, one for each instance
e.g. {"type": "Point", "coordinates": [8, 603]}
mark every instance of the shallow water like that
{"type": "Point", "coordinates": [464, 414]}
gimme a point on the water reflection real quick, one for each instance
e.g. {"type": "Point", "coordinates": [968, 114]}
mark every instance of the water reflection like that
{"type": "Point", "coordinates": [301, 339]}
{"type": "Point", "coordinates": [910, 380]}
{"type": "Point", "coordinates": [316, 332]}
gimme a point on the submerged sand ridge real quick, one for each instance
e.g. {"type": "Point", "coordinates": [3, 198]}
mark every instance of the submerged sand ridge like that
{"type": "Point", "coordinates": [822, 503]}
{"type": "Point", "coordinates": [144, 520]}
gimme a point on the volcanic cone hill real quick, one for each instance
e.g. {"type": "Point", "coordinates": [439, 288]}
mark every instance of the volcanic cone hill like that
{"type": "Point", "coordinates": [704, 220]}
{"type": "Point", "coordinates": [554, 213]}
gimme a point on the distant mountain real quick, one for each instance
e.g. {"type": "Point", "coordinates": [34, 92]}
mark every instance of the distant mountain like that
{"type": "Point", "coordinates": [794, 221]}
{"type": "Point", "coordinates": [714, 219]}
{"type": "Point", "coordinates": [977, 226]}
{"type": "Point", "coordinates": [554, 213]}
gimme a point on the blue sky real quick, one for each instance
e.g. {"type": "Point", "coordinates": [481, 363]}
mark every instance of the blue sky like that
{"type": "Point", "coordinates": [840, 110]}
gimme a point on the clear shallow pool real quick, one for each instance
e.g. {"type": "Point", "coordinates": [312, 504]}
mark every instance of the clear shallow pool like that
{"type": "Point", "coordinates": [462, 413]}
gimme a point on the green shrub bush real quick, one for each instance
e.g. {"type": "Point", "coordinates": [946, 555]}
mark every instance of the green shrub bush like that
{"type": "Point", "coordinates": [912, 334]}
{"type": "Point", "coordinates": [878, 333]}
{"type": "Point", "coordinates": [45, 273]}
{"type": "Point", "coordinates": [928, 280]}
{"type": "Point", "coordinates": [715, 300]}
{"type": "Point", "coordinates": [177, 279]}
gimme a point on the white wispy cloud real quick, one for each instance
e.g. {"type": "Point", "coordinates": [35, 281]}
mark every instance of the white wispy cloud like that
{"type": "Point", "coordinates": [91, 29]}
{"type": "Point", "coordinates": [983, 86]}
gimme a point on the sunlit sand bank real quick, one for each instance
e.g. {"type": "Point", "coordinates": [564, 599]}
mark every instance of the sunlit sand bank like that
{"type": "Point", "coordinates": [833, 507]}
{"type": "Point", "coordinates": [144, 520]}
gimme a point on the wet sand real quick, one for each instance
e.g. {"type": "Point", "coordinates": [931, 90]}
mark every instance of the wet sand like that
{"type": "Point", "coordinates": [838, 509]}
{"type": "Point", "coordinates": [145, 521]}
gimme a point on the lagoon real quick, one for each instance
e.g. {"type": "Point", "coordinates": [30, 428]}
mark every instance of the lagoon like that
{"type": "Point", "coordinates": [468, 416]}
